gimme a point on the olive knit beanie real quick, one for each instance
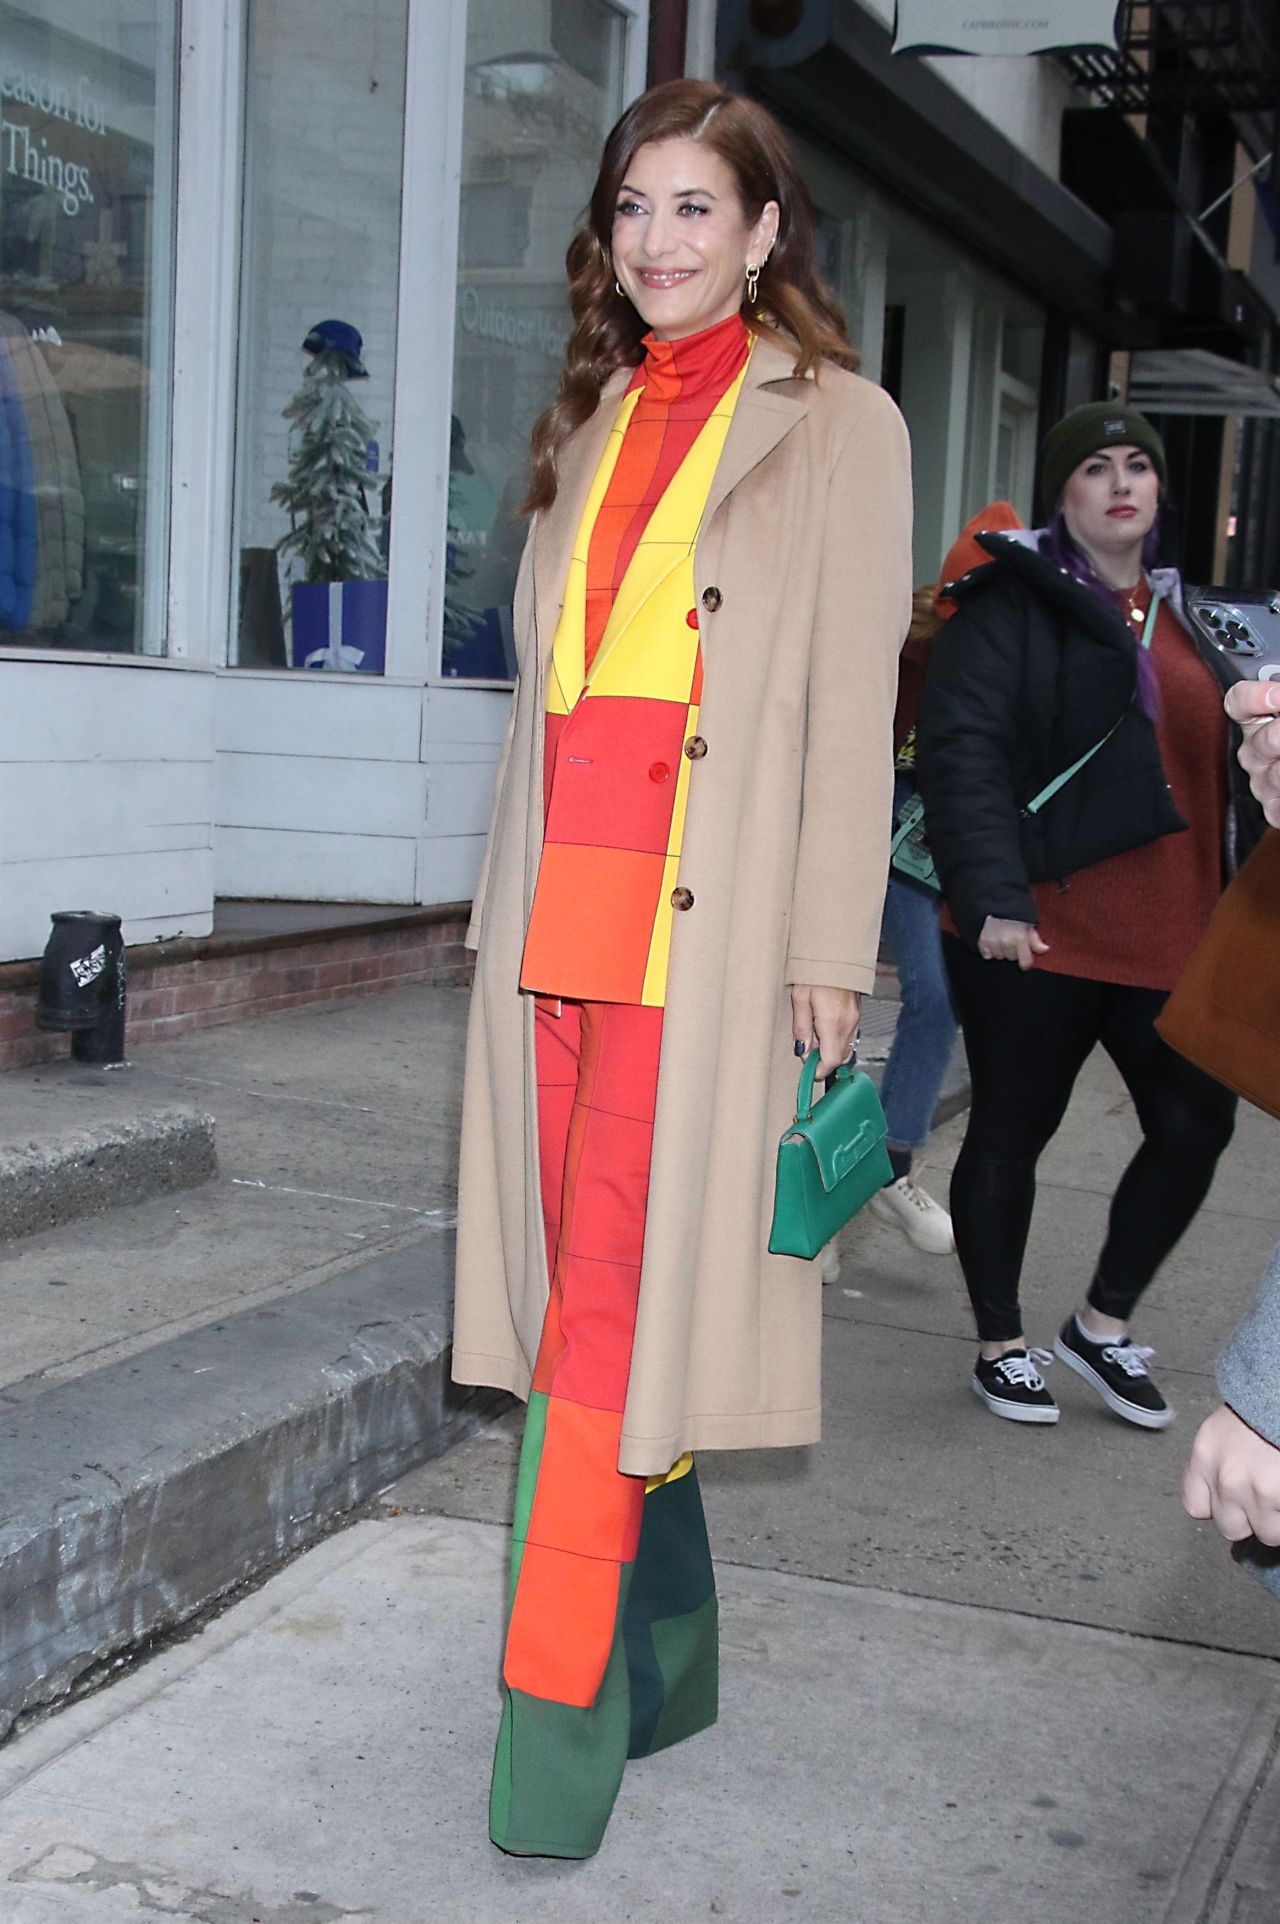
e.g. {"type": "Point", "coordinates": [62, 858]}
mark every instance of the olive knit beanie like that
{"type": "Point", "coordinates": [1098, 424]}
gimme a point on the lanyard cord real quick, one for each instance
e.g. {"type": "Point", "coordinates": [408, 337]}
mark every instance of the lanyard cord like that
{"type": "Point", "coordinates": [1048, 792]}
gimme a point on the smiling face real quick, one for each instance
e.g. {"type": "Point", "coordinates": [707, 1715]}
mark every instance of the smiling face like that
{"type": "Point", "coordinates": [1109, 505]}
{"type": "Point", "coordinates": [681, 241]}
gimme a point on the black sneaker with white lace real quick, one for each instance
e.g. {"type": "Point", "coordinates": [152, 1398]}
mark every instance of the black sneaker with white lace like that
{"type": "Point", "coordinates": [1119, 1373]}
{"type": "Point", "coordinates": [1011, 1385]}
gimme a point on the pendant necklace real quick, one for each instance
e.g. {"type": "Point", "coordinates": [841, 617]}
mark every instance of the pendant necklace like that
{"type": "Point", "coordinates": [1132, 609]}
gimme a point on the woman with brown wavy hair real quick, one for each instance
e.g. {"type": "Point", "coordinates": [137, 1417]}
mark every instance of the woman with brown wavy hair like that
{"type": "Point", "coordinates": [681, 893]}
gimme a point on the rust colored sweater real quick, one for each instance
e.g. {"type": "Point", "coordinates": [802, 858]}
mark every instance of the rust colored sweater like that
{"type": "Point", "coordinates": [1135, 919]}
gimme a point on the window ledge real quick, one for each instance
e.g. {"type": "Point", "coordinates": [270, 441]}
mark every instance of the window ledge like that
{"type": "Point", "coordinates": [93, 658]}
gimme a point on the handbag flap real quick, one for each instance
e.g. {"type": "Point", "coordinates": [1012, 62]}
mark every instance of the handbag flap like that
{"type": "Point", "coordinates": [846, 1126]}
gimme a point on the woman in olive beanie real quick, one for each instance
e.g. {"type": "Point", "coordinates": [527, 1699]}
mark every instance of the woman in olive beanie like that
{"type": "Point", "coordinates": [1097, 425]}
{"type": "Point", "coordinates": [1073, 762]}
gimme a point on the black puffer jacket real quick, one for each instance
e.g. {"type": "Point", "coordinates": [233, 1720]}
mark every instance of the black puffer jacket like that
{"type": "Point", "coordinates": [1030, 672]}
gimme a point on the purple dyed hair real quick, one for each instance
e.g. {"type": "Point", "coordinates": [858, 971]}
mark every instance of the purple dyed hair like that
{"type": "Point", "coordinates": [1056, 545]}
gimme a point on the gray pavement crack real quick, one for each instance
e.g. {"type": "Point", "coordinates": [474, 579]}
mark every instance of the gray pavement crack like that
{"type": "Point", "coordinates": [157, 1893]}
{"type": "Point", "coordinates": [1232, 1842]}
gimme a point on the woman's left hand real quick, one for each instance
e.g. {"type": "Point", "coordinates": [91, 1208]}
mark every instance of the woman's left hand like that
{"type": "Point", "coordinates": [828, 1020]}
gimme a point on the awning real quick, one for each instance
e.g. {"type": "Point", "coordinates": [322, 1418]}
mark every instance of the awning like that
{"type": "Point", "coordinates": [1191, 380]}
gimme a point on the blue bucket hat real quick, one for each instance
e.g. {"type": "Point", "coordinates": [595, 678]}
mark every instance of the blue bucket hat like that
{"type": "Point", "coordinates": [338, 337]}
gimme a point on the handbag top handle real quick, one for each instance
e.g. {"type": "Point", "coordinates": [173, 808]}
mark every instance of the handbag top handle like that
{"type": "Point", "coordinates": [808, 1077]}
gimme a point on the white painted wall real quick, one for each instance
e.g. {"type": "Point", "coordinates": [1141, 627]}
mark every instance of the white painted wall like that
{"type": "Point", "coordinates": [352, 789]}
{"type": "Point", "coordinates": [106, 779]}
{"type": "Point", "coordinates": [462, 731]}
{"type": "Point", "coordinates": [935, 396]}
{"type": "Point", "coordinates": [1023, 97]}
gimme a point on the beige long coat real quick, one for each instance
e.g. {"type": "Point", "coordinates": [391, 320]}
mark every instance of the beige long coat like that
{"type": "Point", "coordinates": [803, 573]}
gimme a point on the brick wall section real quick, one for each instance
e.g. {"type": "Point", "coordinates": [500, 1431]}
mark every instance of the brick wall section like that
{"type": "Point", "coordinates": [174, 996]}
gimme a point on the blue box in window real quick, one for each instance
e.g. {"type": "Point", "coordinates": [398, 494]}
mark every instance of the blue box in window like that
{"type": "Point", "coordinates": [340, 625]}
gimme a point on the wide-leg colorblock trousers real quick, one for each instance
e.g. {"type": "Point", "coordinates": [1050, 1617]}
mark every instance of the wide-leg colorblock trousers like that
{"type": "Point", "coordinates": [612, 1642]}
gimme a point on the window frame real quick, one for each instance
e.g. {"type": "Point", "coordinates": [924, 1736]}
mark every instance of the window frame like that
{"type": "Point", "coordinates": [206, 319]}
{"type": "Point", "coordinates": [635, 61]}
{"type": "Point", "coordinates": [171, 251]}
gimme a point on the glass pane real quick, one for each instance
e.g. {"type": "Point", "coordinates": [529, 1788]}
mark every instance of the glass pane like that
{"type": "Point", "coordinates": [88, 94]}
{"type": "Point", "coordinates": [544, 85]}
{"type": "Point", "coordinates": [324, 140]}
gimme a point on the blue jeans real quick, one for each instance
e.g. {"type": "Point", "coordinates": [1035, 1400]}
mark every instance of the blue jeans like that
{"type": "Point", "coordinates": [926, 1028]}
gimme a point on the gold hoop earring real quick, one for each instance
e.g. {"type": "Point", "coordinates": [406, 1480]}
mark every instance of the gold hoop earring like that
{"type": "Point", "coordinates": [753, 284]}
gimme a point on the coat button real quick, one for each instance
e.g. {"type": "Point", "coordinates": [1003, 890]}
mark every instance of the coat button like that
{"type": "Point", "coordinates": [659, 772]}
{"type": "Point", "coordinates": [712, 599]}
{"type": "Point", "coordinates": [695, 748]}
{"type": "Point", "coordinates": [692, 618]}
{"type": "Point", "coordinates": [682, 898]}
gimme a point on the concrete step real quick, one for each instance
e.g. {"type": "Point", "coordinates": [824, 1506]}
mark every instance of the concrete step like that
{"type": "Point", "coordinates": [75, 1141]}
{"type": "Point", "coordinates": [136, 1495]}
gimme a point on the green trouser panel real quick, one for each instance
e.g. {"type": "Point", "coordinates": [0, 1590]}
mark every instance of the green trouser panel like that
{"type": "Point", "coordinates": [669, 1624]}
{"type": "Point", "coordinates": [558, 1766]}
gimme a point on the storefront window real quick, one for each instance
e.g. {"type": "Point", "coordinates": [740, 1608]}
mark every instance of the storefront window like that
{"type": "Point", "coordinates": [88, 92]}
{"type": "Point", "coordinates": [544, 85]}
{"type": "Point", "coordinates": [324, 139]}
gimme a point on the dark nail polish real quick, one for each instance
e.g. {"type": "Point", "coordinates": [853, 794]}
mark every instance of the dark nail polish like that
{"type": "Point", "coordinates": [800, 1050]}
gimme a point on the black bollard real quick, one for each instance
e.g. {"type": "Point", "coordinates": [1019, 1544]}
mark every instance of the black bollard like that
{"type": "Point", "coordinates": [82, 985]}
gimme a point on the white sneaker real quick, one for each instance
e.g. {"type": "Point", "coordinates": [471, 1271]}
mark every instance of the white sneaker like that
{"type": "Point", "coordinates": [921, 1220]}
{"type": "Point", "coordinates": [830, 1264]}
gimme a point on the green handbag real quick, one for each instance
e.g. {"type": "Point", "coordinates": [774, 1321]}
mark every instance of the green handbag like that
{"type": "Point", "coordinates": [830, 1161]}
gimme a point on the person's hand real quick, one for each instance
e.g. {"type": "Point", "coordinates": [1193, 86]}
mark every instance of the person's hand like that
{"type": "Point", "coordinates": [1002, 941]}
{"type": "Point", "coordinates": [1256, 706]}
{"type": "Point", "coordinates": [827, 1019]}
{"type": "Point", "coordinates": [1234, 1477]}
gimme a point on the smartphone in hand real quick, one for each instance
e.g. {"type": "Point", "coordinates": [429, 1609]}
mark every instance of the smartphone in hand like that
{"type": "Point", "coordinates": [1244, 624]}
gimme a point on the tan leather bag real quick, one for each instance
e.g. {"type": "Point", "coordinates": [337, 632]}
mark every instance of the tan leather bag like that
{"type": "Point", "coordinates": [1224, 1014]}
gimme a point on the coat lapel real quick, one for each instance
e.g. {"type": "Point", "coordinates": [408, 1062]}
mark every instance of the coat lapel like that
{"type": "Point", "coordinates": [771, 404]}
{"type": "Point", "coordinates": [669, 537]}
{"type": "Point", "coordinates": [554, 536]}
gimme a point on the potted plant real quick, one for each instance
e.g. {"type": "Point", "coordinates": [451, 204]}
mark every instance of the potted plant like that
{"type": "Point", "coordinates": [339, 607]}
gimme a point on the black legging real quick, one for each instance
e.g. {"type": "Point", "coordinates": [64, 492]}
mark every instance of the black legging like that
{"type": "Point", "coordinates": [1027, 1036]}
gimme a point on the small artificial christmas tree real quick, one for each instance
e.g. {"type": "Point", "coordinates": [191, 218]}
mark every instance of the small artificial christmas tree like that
{"type": "Point", "coordinates": [324, 495]}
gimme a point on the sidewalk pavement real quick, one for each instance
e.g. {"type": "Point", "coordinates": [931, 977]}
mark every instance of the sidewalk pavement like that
{"type": "Point", "coordinates": [263, 1351]}
{"type": "Point", "coordinates": [321, 1753]}
{"type": "Point", "coordinates": [969, 1672]}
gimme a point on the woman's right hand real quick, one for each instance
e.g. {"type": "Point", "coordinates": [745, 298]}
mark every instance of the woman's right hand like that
{"type": "Point", "coordinates": [1002, 941]}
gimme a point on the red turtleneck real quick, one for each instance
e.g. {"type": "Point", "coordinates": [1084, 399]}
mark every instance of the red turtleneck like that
{"type": "Point", "coordinates": [681, 382]}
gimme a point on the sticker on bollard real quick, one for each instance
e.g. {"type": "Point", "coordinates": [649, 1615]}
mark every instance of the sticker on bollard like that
{"type": "Point", "coordinates": [83, 983]}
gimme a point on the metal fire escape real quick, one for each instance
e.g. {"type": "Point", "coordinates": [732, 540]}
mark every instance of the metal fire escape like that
{"type": "Point", "coordinates": [1192, 57]}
